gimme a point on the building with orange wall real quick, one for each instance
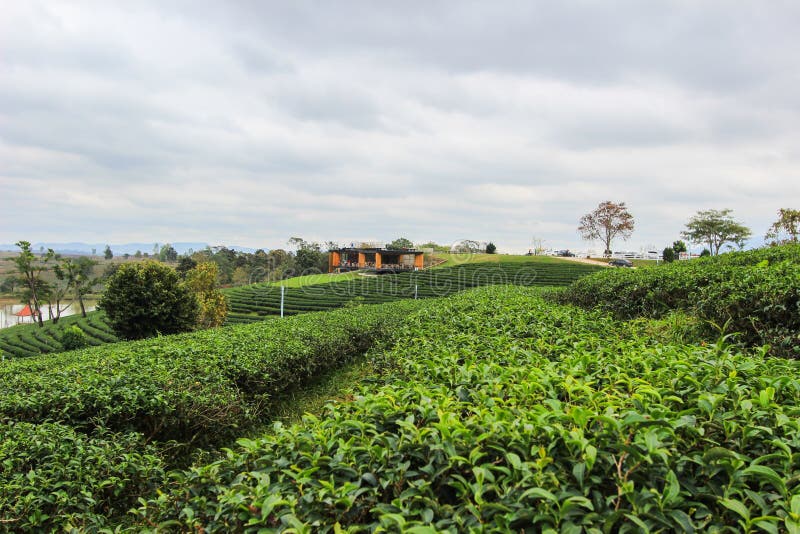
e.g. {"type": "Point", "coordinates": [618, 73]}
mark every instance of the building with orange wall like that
{"type": "Point", "coordinates": [380, 260]}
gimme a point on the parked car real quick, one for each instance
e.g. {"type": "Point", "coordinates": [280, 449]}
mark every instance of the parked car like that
{"type": "Point", "coordinates": [619, 262]}
{"type": "Point", "coordinates": [566, 254]}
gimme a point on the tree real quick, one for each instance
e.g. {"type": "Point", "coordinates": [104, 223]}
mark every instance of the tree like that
{"type": "Point", "coordinates": [465, 246]}
{"type": "Point", "coordinates": [30, 270]}
{"type": "Point", "coordinates": [107, 254]}
{"type": "Point", "coordinates": [185, 264]}
{"type": "Point", "coordinates": [148, 298]}
{"type": "Point", "coordinates": [608, 221]}
{"type": "Point", "coordinates": [491, 248]}
{"type": "Point", "coordinates": [138, 254]}
{"type": "Point", "coordinates": [678, 247]}
{"type": "Point", "coordinates": [213, 307]}
{"type": "Point", "coordinates": [79, 275]}
{"type": "Point", "coordinates": [168, 253]}
{"type": "Point", "coordinates": [715, 228]}
{"type": "Point", "coordinates": [786, 229]}
{"type": "Point", "coordinates": [399, 244]}
{"type": "Point", "coordinates": [668, 255]}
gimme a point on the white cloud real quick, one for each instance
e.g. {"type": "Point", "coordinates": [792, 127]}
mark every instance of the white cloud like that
{"type": "Point", "coordinates": [248, 123]}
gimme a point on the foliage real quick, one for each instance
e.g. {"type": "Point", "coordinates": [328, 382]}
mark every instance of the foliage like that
{"type": "Point", "coordinates": [25, 340]}
{"type": "Point", "coordinates": [520, 417]}
{"type": "Point", "coordinates": [107, 254]}
{"type": "Point", "coordinates": [168, 253]}
{"type": "Point", "coordinates": [78, 276]}
{"type": "Point", "coordinates": [754, 294]}
{"type": "Point", "coordinates": [73, 338]}
{"type": "Point", "coordinates": [147, 298]}
{"type": "Point", "coordinates": [678, 247]}
{"type": "Point", "coordinates": [716, 228]}
{"type": "Point", "coordinates": [253, 302]}
{"type": "Point", "coordinates": [202, 281]}
{"type": "Point", "coordinates": [491, 248]}
{"type": "Point", "coordinates": [30, 270]}
{"type": "Point", "coordinates": [56, 479]}
{"type": "Point", "coordinates": [786, 229]}
{"type": "Point", "coordinates": [186, 264]}
{"type": "Point", "coordinates": [668, 255]}
{"type": "Point", "coordinates": [195, 388]}
{"type": "Point", "coordinates": [400, 243]}
{"type": "Point", "coordinates": [608, 221]}
{"type": "Point", "coordinates": [465, 246]}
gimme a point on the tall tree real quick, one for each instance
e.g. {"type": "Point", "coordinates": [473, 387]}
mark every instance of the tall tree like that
{"type": "Point", "coordinates": [79, 275]}
{"type": "Point", "coordinates": [786, 229]}
{"type": "Point", "coordinates": [609, 221]}
{"type": "Point", "coordinates": [107, 254]}
{"type": "Point", "coordinates": [30, 270]}
{"type": "Point", "coordinates": [715, 228]}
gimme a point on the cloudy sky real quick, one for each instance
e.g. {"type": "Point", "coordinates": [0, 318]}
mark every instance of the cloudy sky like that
{"type": "Point", "coordinates": [250, 122]}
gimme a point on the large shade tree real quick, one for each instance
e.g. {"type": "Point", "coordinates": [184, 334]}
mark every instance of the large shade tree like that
{"type": "Point", "coordinates": [716, 228]}
{"type": "Point", "coordinates": [609, 221]}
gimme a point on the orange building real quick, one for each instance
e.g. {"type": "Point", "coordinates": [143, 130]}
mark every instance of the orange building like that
{"type": "Point", "coordinates": [380, 260]}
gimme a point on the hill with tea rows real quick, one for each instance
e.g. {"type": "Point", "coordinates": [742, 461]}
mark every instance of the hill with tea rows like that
{"type": "Point", "coordinates": [251, 303]}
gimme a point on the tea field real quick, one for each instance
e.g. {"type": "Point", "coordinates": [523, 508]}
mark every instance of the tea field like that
{"type": "Point", "coordinates": [28, 339]}
{"type": "Point", "coordinates": [322, 292]}
{"type": "Point", "coordinates": [494, 409]}
{"type": "Point", "coordinates": [251, 303]}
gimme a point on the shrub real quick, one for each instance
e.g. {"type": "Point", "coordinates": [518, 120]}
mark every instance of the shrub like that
{"type": "Point", "coordinates": [507, 414]}
{"type": "Point", "coordinates": [147, 298]}
{"type": "Point", "coordinates": [201, 387]}
{"type": "Point", "coordinates": [56, 479]}
{"type": "Point", "coordinates": [755, 293]}
{"type": "Point", "coordinates": [668, 255]}
{"type": "Point", "coordinates": [73, 338]}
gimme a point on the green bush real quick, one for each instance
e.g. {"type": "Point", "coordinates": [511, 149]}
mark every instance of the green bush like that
{"type": "Point", "coordinates": [755, 294]}
{"type": "Point", "coordinates": [56, 479]}
{"type": "Point", "coordinates": [508, 414]}
{"type": "Point", "coordinates": [144, 299]}
{"type": "Point", "coordinates": [197, 388]}
{"type": "Point", "coordinates": [73, 338]}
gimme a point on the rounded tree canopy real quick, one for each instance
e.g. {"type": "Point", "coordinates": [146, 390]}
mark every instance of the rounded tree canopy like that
{"type": "Point", "coordinates": [145, 299]}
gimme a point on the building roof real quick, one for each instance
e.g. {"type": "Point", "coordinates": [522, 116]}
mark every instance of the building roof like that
{"type": "Point", "coordinates": [378, 249]}
{"type": "Point", "coordinates": [26, 312]}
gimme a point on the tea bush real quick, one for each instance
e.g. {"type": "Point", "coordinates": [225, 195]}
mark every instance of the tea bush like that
{"type": "Point", "coordinates": [195, 388]}
{"type": "Point", "coordinates": [73, 338]}
{"type": "Point", "coordinates": [54, 478]}
{"type": "Point", "coordinates": [506, 413]}
{"type": "Point", "coordinates": [755, 294]}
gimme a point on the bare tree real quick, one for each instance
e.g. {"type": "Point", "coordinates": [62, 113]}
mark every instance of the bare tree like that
{"type": "Point", "coordinates": [608, 221]}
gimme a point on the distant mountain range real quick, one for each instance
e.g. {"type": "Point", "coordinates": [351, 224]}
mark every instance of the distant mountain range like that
{"type": "Point", "coordinates": [118, 250]}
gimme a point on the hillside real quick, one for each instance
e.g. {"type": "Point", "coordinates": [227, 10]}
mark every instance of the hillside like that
{"type": "Point", "coordinates": [493, 409]}
{"type": "Point", "coordinates": [251, 303]}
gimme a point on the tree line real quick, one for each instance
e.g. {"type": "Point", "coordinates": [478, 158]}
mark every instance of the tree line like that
{"type": "Point", "coordinates": [713, 228]}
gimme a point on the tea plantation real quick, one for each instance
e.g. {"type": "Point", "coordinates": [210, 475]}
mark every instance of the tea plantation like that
{"type": "Point", "coordinates": [491, 410]}
{"type": "Point", "coordinates": [28, 340]}
{"type": "Point", "coordinates": [251, 303]}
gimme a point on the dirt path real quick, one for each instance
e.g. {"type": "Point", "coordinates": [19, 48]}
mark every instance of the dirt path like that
{"type": "Point", "coordinates": [585, 260]}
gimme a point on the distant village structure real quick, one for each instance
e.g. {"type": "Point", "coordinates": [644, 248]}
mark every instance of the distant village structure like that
{"type": "Point", "coordinates": [382, 260]}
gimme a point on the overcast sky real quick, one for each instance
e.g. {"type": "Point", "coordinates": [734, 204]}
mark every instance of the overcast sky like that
{"type": "Point", "coordinates": [250, 122]}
